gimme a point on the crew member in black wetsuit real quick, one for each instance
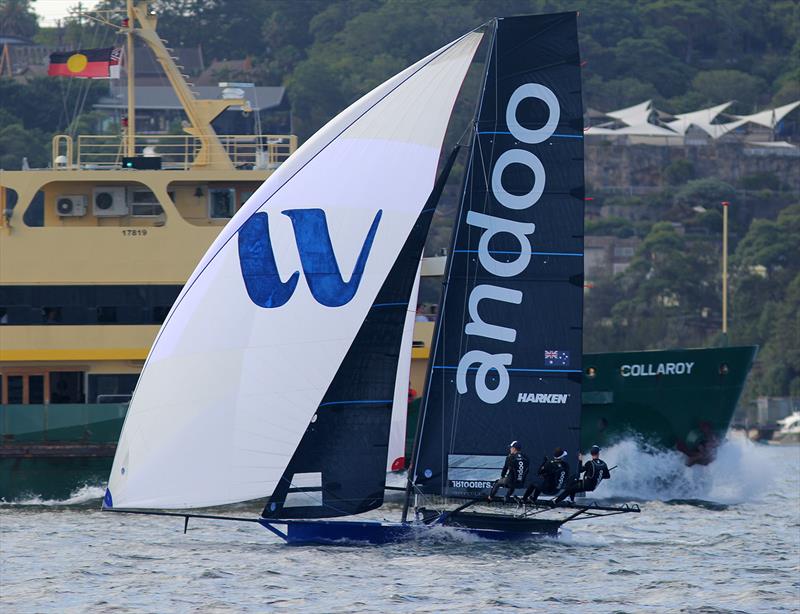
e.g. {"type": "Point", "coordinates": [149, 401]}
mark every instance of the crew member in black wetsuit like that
{"type": "Point", "coordinates": [594, 471]}
{"type": "Point", "coordinates": [514, 473]}
{"type": "Point", "coordinates": [555, 472]}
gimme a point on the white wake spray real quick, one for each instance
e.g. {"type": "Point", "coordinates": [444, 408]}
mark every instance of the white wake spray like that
{"type": "Point", "coordinates": [84, 494]}
{"type": "Point", "coordinates": [741, 472]}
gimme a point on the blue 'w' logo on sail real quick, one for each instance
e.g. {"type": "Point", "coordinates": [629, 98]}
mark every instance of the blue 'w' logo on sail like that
{"type": "Point", "coordinates": [260, 272]}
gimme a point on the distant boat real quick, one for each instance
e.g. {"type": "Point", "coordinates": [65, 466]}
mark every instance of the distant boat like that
{"type": "Point", "coordinates": [273, 377]}
{"type": "Point", "coordinates": [789, 430]}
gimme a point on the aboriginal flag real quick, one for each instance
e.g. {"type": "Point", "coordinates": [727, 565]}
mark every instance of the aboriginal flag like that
{"type": "Point", "coordinates": [86, 63]}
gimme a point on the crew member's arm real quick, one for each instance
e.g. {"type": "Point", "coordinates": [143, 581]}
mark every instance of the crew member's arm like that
{"type": "Point", "coordinates": [543, 467]}
{"type": "Point", "coordinates": [506, 467]}
{"type": "Point", "coordinates": [606, 472]}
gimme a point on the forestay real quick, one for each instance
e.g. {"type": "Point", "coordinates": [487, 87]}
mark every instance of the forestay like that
{"type": "Point", "coordinates": [506, 362]}
{"type": "Point", "coordinates": [250, 357]}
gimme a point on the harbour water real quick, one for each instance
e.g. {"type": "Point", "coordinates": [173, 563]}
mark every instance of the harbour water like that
{"type": "Point", "coordinates": [724, 538]}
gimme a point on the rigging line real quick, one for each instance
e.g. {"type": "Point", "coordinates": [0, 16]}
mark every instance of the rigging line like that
{"type": "Point", "coordinates": [83, 88]}
{"type": "Point", "coordinates": [485, 161]}
{"type": "Point", "coordinates": [189, 285]}
{"type": "Point", "coordinates": [468, 182]}
{"type": "Point", "coordinates": [438, 336]}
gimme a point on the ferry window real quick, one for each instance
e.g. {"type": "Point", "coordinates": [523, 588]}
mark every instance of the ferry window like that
{"type": "Point", "coordinates": [106, 315]}
{"type": "Point", "coordinates": [143, 203]}
{"type": "Point", "coordinates": [51, 315]}
{"type": "Point", "coordinates": [66, 387]}
{"type": "Point", "coordinates": [36, 389]}
{"type": "Point", "coordinates": [109, 385]}
{"type": "Point", "coordinates": [221, 202]}
{"type": "Point", "coordinates": [244, 196]}
{"type": "Point", "coordinates": [158, 315]}
{"type": "Point", "coordinates": [70, 305]}
{"type": "Point", "coordinates": [34, 214]}
{"type": "Point", "coordinates": [14, 389]}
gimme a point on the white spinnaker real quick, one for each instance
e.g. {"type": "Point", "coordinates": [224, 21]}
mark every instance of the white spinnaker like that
{"type": "Point", "coordinates": [229, 387]}
{"type": "Point", "coordinates": [397, 429]}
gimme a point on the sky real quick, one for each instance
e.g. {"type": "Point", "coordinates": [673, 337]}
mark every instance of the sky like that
{"type": "Point", "coordinates": [50, 11]}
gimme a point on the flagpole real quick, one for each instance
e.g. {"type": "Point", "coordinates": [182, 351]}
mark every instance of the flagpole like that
{"type": "Point", "coordinates": [131, 136]}
{"type": "Point", "coordinates": [725, 272]}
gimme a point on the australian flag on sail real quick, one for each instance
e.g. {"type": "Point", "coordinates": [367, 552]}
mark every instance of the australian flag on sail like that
{"type": "Point", "coordinates": [556, 358]}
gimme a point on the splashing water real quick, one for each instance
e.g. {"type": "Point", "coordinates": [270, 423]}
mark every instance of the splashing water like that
{"type": "Point", "coordinates": [741, 472]}
{"type": "Point", "coordinates": [79, 496]}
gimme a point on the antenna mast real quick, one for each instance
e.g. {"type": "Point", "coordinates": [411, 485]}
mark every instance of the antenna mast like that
{"type": "Point", "coordinates": [131, 134]}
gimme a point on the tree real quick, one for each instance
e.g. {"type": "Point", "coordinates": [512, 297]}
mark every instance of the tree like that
{"type": "Point", "coordinates": [722, 85]}
{"type": "Point", "coordinates": [17, 18]}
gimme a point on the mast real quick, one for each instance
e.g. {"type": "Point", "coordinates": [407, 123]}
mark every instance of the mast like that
{"type": "Point", "coordinates": [437, 327]}
{"type": "Point", "coordinates": [131, 135]}
{"type": "Point", "coordinates": [200, 112]}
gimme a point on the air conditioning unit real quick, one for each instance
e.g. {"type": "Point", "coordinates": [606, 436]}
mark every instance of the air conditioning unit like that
{"type": "Point", "coordinates": [71, 205]}
{"type": "Point", "coordinates": [109, 201]}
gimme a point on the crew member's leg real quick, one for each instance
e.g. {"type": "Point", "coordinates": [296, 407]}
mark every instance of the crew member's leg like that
{"type": "Point", "coordinates": [531, 490]}
{"type": "Point", "coordinates": [501, 482]}
{"type": "Point", "coordinates": [570, 491]}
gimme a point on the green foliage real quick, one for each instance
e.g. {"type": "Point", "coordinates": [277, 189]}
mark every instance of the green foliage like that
{"type": "Point", "coordinates": [704, 193]}
{"type": "Point", "coordinates": [760, 181]}
{"type": "Point", "coordinates": [17, 18]}
{"type": "Point", "coordinates": [679, 171]}
{"type": "Point", "coordinates": [717, 86]}
{"type": "Point", "coordinates": [16, 143]}
{"type": "Point", "coordinates": [766, 300]}
{"type": "Point", "coordinates": [610, 226]}
{"type": "Point", "coordinates": [26, 129]}
{"type": "Point", "coordinates": [683, 53]}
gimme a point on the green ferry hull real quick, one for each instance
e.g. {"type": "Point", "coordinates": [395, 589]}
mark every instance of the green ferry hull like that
{"type": "Point", "coordinates": [51, 451]}
{"type": "Point", "coordinates": [673, 399]}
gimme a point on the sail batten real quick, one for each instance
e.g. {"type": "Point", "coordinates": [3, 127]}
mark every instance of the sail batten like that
{"type": "Point", "coordinates": [258, 334]}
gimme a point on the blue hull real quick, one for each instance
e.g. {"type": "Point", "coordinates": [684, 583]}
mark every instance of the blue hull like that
{"type": "Point", "coordinates": [333, 532]}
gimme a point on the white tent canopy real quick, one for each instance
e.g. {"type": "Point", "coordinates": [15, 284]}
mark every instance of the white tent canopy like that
{"type": "Point", "coordinates": [633, 116]}
{"type": "Point", "coordinates": [770, 117]}
{"type": "Point", "coordinates": [636, 120]}
{"type": "Point", "coordinates": [702, 118]}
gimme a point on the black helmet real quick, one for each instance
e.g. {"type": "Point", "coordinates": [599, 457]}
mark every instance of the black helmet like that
{"type": "Point", "coordinates": [515, 444]}
{"type": "Point", "coordinates": [595, 449]}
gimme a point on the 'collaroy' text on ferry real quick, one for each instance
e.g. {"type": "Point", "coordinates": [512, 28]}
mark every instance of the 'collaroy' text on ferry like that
{"type": "Point", "coordinates": [662, 368]}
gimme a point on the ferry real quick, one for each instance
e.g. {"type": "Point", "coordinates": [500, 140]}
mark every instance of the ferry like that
{"type": "Point", "coordinates": [95, 248]}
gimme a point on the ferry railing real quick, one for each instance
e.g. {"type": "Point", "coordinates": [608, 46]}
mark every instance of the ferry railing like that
{"type": "Point", "coordinates": [177, 152]}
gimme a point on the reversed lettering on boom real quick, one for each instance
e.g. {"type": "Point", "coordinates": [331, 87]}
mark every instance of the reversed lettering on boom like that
{"type": "Point", "coordinates": [491, 226]}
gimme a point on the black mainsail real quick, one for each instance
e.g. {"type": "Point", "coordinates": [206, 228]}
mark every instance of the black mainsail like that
{"type": "Point", "coordinates": [506, 361]}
